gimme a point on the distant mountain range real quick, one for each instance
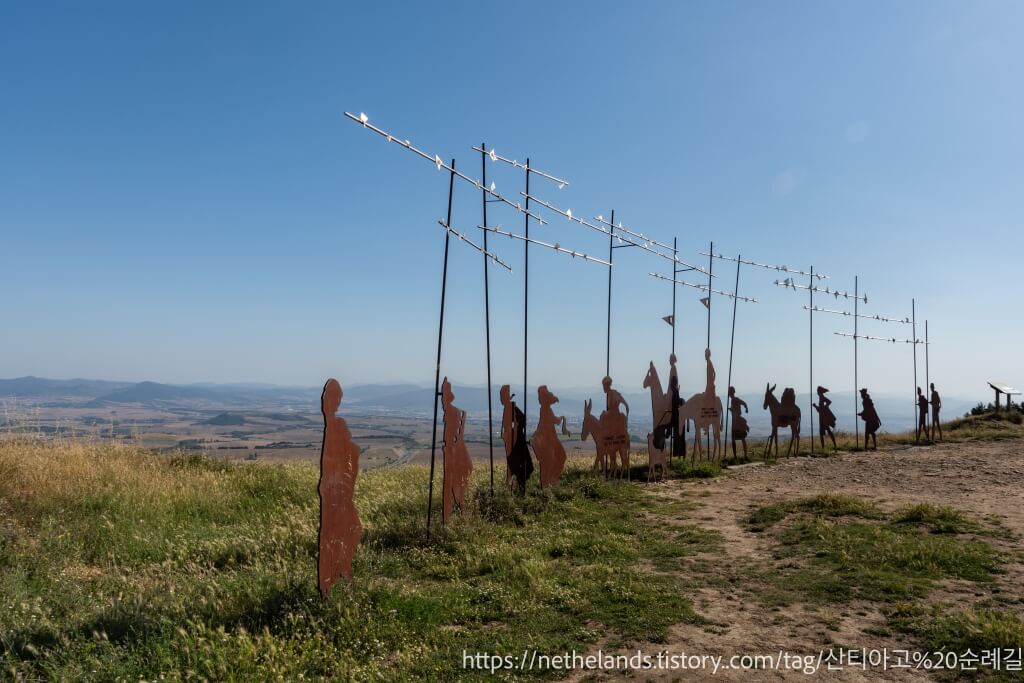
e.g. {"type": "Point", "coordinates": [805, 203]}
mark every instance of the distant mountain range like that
{"type": "Point", "coordinates": [897, 412]}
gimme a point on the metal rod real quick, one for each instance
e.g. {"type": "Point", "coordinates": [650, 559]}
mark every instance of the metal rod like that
{"type": "Point", "coordinates": [810, 361]}
{"type": "Point", "coordinates": [710, 266]}
{"type": "Point", "coordinates": [879, 318]}
{"type": "Point", "coordinates": [891, 340]}
{"type": "Point", "coordinates": [781, 269]}
{"type": "Point", "coordinates": [436, 160]}
{"type": "Point", "coordinates": [487, 319]}
{"type": "Point", "coordinates": [638, 235]}
{"type": "Point", "coordinates": [913, 315]}
{"type": "Point", "coordinates": [704, 288]}
{"type": "Point", "coordinates": [788, 283]}
{"type": "Point", "coordinates": [608, 340]}
{"type": "Point", "coordinates": [557, 247]}
{"type": "Point", "coordinates": [437, 367]}
{"type": "Point", "coordinates": [732, 341]}
{"type": "Point", "coordinates": [494, 156]}
{"type": "Point", "coordinates": [526, 295]}
{"type": "Point", "coordinates": [567, 213]}
{"type": "Point", "coordinates": [462, 238]}
{"type": "Point", "coordinates": [856, 387]}
{"type": "Point", "coordinates": [675, 253]}
{"type": "Point", "coordinates": [927, 382]}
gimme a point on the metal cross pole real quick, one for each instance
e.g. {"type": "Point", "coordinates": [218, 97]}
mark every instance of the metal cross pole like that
{"type": "Point", "coordinates": [711, 264]}
{"type": "Point", "coordinates": [440, 337]}
{"type": "Point", "coordinates": [608, 337]}
{"type": "Point", "coordinates": [675, 253]}
{"type": "Point", "coordinates": [487, 316]}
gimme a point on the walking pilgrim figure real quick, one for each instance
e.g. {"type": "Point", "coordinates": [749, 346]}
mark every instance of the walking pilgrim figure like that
{"type": "Point", "coordinates": [340, 529]}
{"type": "Point", "coordinates": [457, 465]}
{"type": "Point", "coordinates": [871, 420]}
{"type": "Point", "coordinates": [740, 428]}
{"type": "Point", "coordinates": [546, 444]}
{"type": "Point", "coordinates": [826, 418]}
{"type": "Point", "coordinates": [922, 414]}
{"type": "Point", "coordinates": [678, 442]}
{"type": "Point", "coordinates": [513, 433]}
{"type": "Point", "coordinates": [936, 407]}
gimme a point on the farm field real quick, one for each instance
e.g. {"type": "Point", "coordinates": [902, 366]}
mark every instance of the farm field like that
{"type": "Point", "coordinates": [121, 563]}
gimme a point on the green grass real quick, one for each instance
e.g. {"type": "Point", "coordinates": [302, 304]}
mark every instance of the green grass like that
{"type": "Point", "coordinates": [839, 548]}
{"type": "Point", "coordinates": [117, 563]}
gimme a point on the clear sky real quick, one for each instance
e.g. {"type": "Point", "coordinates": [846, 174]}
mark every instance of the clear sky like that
{"type": "Point", "coordinates": [181, 199]}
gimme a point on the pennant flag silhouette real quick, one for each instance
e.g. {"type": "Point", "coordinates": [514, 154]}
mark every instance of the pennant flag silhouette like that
{"type": "Point", "coordinates": [707, 302]}
{"type": "Point", "coordinates": [670, 319]}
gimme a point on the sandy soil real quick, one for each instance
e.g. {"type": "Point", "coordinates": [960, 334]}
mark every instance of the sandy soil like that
{"type": "Point", "coordinates": [984, 480]}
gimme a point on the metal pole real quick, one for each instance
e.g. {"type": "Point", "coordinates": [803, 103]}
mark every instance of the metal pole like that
{"type": "Point", "coordinates": [732, 339]}
{"type": "Point", "coordinates": [675, 254]}
{"type": "Point", "coordinates": [927, 381]}
{"type": "Point", "coordinates": [913, 340]}
{"type": "Point", "coordinates": [487, 317]}
{"type": "Point", "coordinates": [711, 265]}
{"type": "Point", "coordinates": [810, 362]}
{"type": "Point", "coordinates": [440, 337]}
{"type": "Point", "coordinates": [526, 294]}
{"type": "Point", "coordinates": [608, 341]}
{"type": "Point", "coordinates": [856, 388]}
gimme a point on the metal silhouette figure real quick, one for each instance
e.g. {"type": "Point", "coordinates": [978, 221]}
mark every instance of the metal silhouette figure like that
{"type": "Point", "coordinates": [785, 413]}
{"type": "Point", "coordinates": [740, 428]}
{"type": "Point", "coordinates": [513, 433]}
{"type": "Point", "coordinates": [656, 458]}
{"type": "Point", "coordinates": [936, 407]}
{"type": "Point", "coordinates": [678, 442]}
{"type": "Point", "coordinates": [457, 465]}
{"type": "Point", "coordinates": [871, 420]}
{"type": "Point", "coordinates": [615, 428]}
{"type": "Point", "coordinates": [664, 410]}
{"type": "Point", "coordinates": [826, 418]}
{"type": "Point", "coordinates": [605, 458]}
{"type": "Point", "coordinates": [922, 415]}
{"type": "Point", "coordinates": [546, 444]}
{"type": "Point", "coordinates": [340, 529]}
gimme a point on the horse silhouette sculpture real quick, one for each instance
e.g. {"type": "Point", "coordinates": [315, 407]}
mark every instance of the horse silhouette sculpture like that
{"type": "Point", "coordinates": [706, 421]}
{"type": "Point", "coordinates": [661, 403]}
{"type": "Point", "coordinates": [605, 460]}
{"type": "Point", "coordinates": [785, 413]}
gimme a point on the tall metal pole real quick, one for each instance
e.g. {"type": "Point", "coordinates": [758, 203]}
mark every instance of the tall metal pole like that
{"type": "Point", "coordinates": [856, 385]}
{"type": "Point", "coordinates": [440, 337]}
{"type": "Point", "coordinates": [810, 362]}
{"type": "Point", "coordinates": [487, 316]}
{"type": "Point", "coordinates": [526, 295]}
{"type": "Point", "coordinates": [675, 254]}
{"type": "Point", "coordinates": [913, 340]}
{"type": "Point", "coordinates": [608, 341]}
{"type": "Point", "coordinates": [927, 380]}
{"type": "Point", "coordinates": [732, 340]}
{"type": "Point", "coordinates": [711, 265]}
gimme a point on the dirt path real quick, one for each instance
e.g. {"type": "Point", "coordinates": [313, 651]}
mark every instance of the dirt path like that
{"type": "Point", "coordinates": [984, 480]}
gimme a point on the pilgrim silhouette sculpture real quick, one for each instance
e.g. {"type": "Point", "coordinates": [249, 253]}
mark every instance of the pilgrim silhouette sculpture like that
{"type": "Point", "coordinates": [547, 446]}
{"type": "Point", "coordinates": [922, 415]}
{"type": "Point", "coordinates": [457, 465]}
{"type": "Point", "coordinates": [936, 407]}
{"type": "Point", "coordinates": [826, 418]}
{"type": "Point", "coordinates": [340, 529]}
{"type": "Point", "coordinates": [871, 420]}
{"type": "Point", "coordinates": [513, 433]}
{"type": "Point", "coordinates": [785, 413]}
{"type": "Point", "coordinates": [740, 428]}
{"type": "Point", "coordinates": [678, 442]}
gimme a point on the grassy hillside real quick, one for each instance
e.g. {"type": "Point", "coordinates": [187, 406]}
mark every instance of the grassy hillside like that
{"type": "Point", "coordinates": [117, 563]}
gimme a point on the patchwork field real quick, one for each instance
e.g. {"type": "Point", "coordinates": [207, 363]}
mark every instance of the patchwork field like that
{"type": "Point", "coordinates": [119, 563]}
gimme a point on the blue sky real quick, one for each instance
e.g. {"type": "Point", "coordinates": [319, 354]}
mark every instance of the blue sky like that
{"type": "Point", "coordinates": [183, 201]}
